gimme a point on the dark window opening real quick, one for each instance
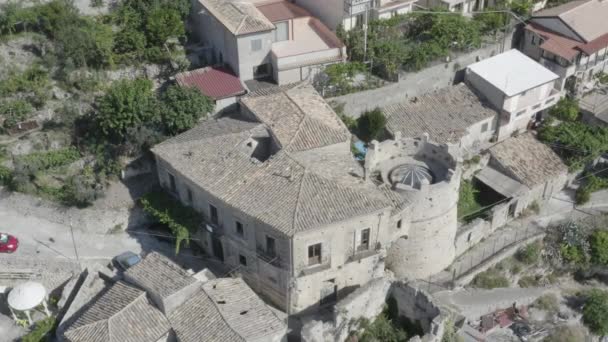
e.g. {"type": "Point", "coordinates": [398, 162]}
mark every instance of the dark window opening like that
{"type": "Point", "coordinates": [242, 260]}
{"type": "Point", "coordinates": [213, 214]}
{"type": "Point", "coordinates": [172, 183]}
{"type": "Point", "coordinates": [239, 229]}
{"type": "Point", "coordinates": [314, 254]}
{"type": "Point", "coordinates": [190, 197]}
{"type": "Point", "coordinates": [270, 246]}
{"type": "Point", "coordinates": [364, 244]}
{"type": "Point", "coordinates": [399, 224]}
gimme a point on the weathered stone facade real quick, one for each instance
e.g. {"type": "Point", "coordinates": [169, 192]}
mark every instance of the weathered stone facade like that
{"type": "Point", "coordinates": [432, 214]}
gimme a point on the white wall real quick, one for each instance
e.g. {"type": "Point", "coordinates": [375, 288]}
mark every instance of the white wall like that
{"type": "Point", "coordinates": [248, 59]}
{"type": "Point", "coordinates": [330, 12]}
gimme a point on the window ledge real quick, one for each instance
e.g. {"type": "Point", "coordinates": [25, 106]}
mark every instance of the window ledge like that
{"type": "Point", "coordinates": [362, 255]}
{"type": "Point", "coordinates": [315, 269]}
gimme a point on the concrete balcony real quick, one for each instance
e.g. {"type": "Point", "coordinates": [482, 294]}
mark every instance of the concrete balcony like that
{"type": "Point", "coordinates": [526, 112]}
{"type": "Point", "coordinates": [312, 44]}
{"type": "Point", "coordinates": [591, 64]}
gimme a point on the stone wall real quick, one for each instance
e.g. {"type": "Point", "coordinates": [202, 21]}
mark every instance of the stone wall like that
{"type": "Point", "coordinates": [368, 302]}
{"type": "Point", "coordinates": [471, 234]}
{"type": "Point", "coordinates": [416, 83]}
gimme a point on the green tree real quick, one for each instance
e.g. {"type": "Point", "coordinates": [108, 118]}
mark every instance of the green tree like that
{"type": "Point", "coordinates": [371, 124]}
{"type": "Point", "coordinates": [490, 20]}
{"type": "Point", "coordinates": [87, 44]}
{"type": "Point", "coordinates": [521, 7]}
{"type": "Point", "coordinates": [566, 109]}
{"type": "Point", "coordinates": [127, 104]}
{"type": "Point", "coordinates": [183, 107]}
{"type": "Point", "coordinates": [595, 312]}
{"type": "Point", "coordinates": [599, 247]}
{"type": "Point", "coordinates": [129, 45]}
{"type": "Point", "coordinates": [162, 24]}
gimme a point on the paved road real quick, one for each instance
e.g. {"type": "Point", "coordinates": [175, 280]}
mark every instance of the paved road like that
{"type": "Point", "coordinates": [40, 237]}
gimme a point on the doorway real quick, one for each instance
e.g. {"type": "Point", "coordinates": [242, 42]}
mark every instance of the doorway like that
{"type": "Point", "coordinates": [329, 292]}
{"type": "Point", "coordinates": [218, 248]}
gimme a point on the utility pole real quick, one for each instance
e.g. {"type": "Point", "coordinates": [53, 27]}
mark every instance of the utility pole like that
{"type": "Point", "coordinates": [365, 33]}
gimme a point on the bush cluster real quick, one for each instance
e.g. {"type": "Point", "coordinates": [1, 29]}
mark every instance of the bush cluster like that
{"type": "Point", "coordinates": [180, 219]}
{"type": "Point", "coordinates": [490, 279]}
{"type": "Point", "coordinates": [529, 254]}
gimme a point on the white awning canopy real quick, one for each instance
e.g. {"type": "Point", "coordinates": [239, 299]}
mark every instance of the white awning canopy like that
{"type": "Point", "coordinates": [26, 296]}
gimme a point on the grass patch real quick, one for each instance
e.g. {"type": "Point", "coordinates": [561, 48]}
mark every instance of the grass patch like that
{"type": "Point", "coordinates": [529, 254]}
{"type": "Point", "coordinates": [529, 281]}
{"type": "Point", "coordinates": [547, 302]}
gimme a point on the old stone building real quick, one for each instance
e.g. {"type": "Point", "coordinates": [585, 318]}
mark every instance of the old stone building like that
{"type": "Point", "coordinates": [286, 204]}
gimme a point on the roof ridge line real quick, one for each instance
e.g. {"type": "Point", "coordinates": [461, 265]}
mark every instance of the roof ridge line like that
{"type": "Point", "coordinates": [143, 293]}
{"type": "Point", "coordinates": [304, 116]}
{"type": "Point", "coordinates": [220, 311]}
{"type": "Point", "coordinates": [298, 195]}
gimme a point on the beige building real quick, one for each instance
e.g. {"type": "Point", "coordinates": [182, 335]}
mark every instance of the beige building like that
{"type": "Point", "coordinates": [571, 40]}
{"type": "Point", "coordinates": [273, 39]}
{"type": "Point", "coordinates": [455, 116]}
{"type": "Point", "coordinates": [524, 171]}
{"type": "Point", "coordinates": [515, 85]}
{"type": "Point", "coordinates": [158, 301]}
{"type": "Point", "coordinates": [286, 204]}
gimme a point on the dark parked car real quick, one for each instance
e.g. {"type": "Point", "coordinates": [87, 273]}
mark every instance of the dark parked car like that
{"type": "Point", "coordinates": [8, 243]}
{"type": "Point", "coordinates": [125, 260]}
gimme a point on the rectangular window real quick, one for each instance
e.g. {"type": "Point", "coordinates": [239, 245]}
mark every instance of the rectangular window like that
{"type": "Point", "coordinates": [239, 229]}
{"type": "Point", "coordinates": [314, 254]}
{"type": "Point", "coordinates": [172, 183]}
{"type": "Point", "coordinates": [364, 243]}
{"type": "Point", "coordinates": [399, 224]}
{"type": "Point", "coordinates": [213, 214]}
{"type": "Point", "coordinates": [484, 127]}
{"type": "Point", "coordinates": [270, 246]}
{"type": "Point", "coordinates": [536, 106]}
{"type": "Point", "coordinates": [550, 100]}
{"type": "Point", "coordinates": [190, 197]}
{"type": "Point", "coordinates": [256, 45]}
{"type": "Point", "coordinates": [242, 260]}
{"type": "Point", "coordinates": [533, 39]}
{"type": "Point", "coordinates": [521, 113]}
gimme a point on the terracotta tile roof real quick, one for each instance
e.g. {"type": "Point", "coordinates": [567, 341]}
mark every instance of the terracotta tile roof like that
{"type": "Point", "coordinates": [555, 43]}
{"type": "Point", "coordinates": [239, 17]}
{"type": "Point", "coordinates": [527, 160]}
{"type": "Point", "coordinates": [215, 82]}
{"type": "Point", "coordinates": [586, 18]}
{"type": "Point", "coordinates": [288, 191]}
{"type": "Point", "coordinates": [299, 117]}
{"type": "Point", "coordinates": [444, 114]}
{"type": "Point", "coordinates": [159, 274]}
{"type": "Point", "coordinates": [282, 10]}
{"type": "Point", "coordinates": [595, 45]}
{"type": "Point", "coordinates": [122, 313]}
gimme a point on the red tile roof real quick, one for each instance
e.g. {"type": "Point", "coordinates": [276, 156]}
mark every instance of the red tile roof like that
{"type": "Point", "coordinates": [555, 43]}
{"type": "Point", "coordinates": [282, 10]}
{"type": "Point", "coordinates": [595, 45]}
{"type": "Point", "coordinates": [215, 82]}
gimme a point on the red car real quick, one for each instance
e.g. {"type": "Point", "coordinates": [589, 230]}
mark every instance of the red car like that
{"type": "Point", "coordinates": [8, 243]}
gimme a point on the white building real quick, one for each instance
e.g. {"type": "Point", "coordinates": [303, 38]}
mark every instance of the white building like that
{"type": "Point", "coordinates": [353, 13]}
{"type": "Point", "coordinates": [515, 85]}
{"type": "Point", "coordinates": [571, 40]}
{"type": "Point", "coordinates": [266, 39]}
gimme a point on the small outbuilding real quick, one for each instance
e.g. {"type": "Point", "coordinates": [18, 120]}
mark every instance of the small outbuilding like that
{"type": "Point", "coordinates": [26, 297]}
{"type": "Point", "coordinates": [218, 83]}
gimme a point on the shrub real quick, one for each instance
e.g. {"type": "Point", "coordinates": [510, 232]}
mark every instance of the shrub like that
{"type": "Point", "coordinates": [529, 254]}
{"type": "Point", "coordinates": [370, 125]}
{"type": "Point", "coordinates": [180, 219]}
{"type": "Point", "coordinates": [529, 281]}
{"type": "Point", "coordinates": [490, 279]}
{"type": "Point", "coordinates": [467, 200]}
{"type": "Point", "coordinates": [573, 244]}
{"type": "Point", "coordinates": [15, 111]}
{"type": "Point", "coordinates": [183, 107]}
{"type": "Point", "coordinates": [598, 244]}
{"type": "Point", "coordinates": [81, 190]}
{"type": "Point", "coordinates": [127, 104]}
{"type": "Point", "coordinates": [566, 109]}
{"type": "Point", "coordinates": [592, 184]}
{"type": "Point", "coordinates": [38, 161]}
{"type": "Point", "coordinates": [41, 330]}
{"type": "Point", "coordinates": [548, 302]}
{"type": "Point", "coordinates": [595, 312]}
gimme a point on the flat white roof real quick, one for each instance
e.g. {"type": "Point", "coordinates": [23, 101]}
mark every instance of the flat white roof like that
{"type": "Point", "coordinates": [512, 72]}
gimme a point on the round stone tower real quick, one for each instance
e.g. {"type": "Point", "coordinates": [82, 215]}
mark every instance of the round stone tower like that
{"type": "Point", "coordinates": [428, 175]}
